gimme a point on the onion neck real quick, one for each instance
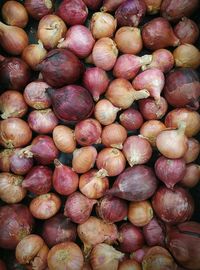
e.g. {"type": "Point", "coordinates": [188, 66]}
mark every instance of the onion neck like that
{"type": "Point", "coordinates": [145, 60]}
{"type": "Point", "coordinates": [141, 94]}
{"type": "Point", "coordinates": [101, 173]}
{"type": "Point", "coordinates": [26, 152]}
{"type": "Point", "coordinates": [48, 4]}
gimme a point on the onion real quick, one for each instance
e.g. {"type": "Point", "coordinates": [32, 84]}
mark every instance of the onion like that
{"type": "Point", "coordinates": [150, 110]}
{"type": "Point", "coordinates": [14, 74]}
{"type": "Point", "coordinates": [60, 67]}
{"type": "Point", "coordinates": [14, 13]}
{"type": "Point", "coordinates": [58, 229]}
{"type": "Point", "coordinates": [14, 132]}
{"type": "Point", "coordinates": [130, 13]}
{"type": "Point", "coordinates": [187, 55]}
{"type": "Point", "coordinates": [104, 53]}
{"type": "Point", "coordinates": [121, 93]}
{"type": "Point", "coordinates": [112, 209]}
{"type": "Point", "coordinates": [72, 13]}
{"type": "Point", "coordinates": [105, 112]}
{"type": "Point", "coordinates": [173, 206]}
{"type": "Point", "coordinates": [140, 213]}
{"type": "Point", "coordinates": [187, 31]}
{"type": "Point", "coordinates": [67, 255]}
{"type": "Point", "coordinates": [193, 150]}
{"type": "Point", "coordinates": [182, 88]}
{"type": "Point", "coordinates": [138, 255]}
{"type": "Point", "coordinates": [137, 150]}
{"type": "Point", "coordinates": [94, 5]}
{"type": "Point", "coordinates": [102, 24]}
{"type": "Point", "coordinates": [154, 233]}
{"type": "Point", "coordinates": [150, 130]}
{"type": "Point", "coordinates": [170, 171]}
{"type": "Point", "coordinates": [192, 176]}
{"type": "Point", "coordinates": [5, 159]}
{"type": "Point", "coordinates": [19, 163]}
{"type": "Point", "coordinates": [172, 143]}
{"type": "Point", "coordinates": [88, 132]}
{"type": "Point", "coordinates": [63, 138]}
{"type": "Point", "coordinates": [42, 121]}
{"type": "Point", "coordinates": [45, 206]}
{"type": "Point", "coordinates": [93, 184]}
{"type": "Point", "coordinates": [35, 95]}
{"type": "Point", "coordinates": [127, 66]}
{"type": "Point", "coordinates": [12, 104]}
{"type": "Point", "coordinates": [112, 160]}
{"type": "Point", "coordinates": [174, 11]}
{"type": "Point", "coordinates": [16, 222]}
{"type": "Point", "coordinates": [38, 180]}
{"type": "Point", "coordinates": [109, 5]}
{"type": "Point", "coordinates": [131, 119]}
{"type": "Point", "coordinates": [158, 34]}
{"type": "Point", "coordinates": [129, 264]}
{"type": "Point", "coordinates": [96, 81]}
{"type": "Point", "coordinates": [78, 40]}
{"type": "Point", "coordinates": [71, 103]}
{"type": "Point", "coordinates": [38, 8]}
{"type": "Point", "coordinates": [183, 243]}
{"type": "Point", "coordinates": [130, 238]}
{"type": "Point", "coordinates": [78, 207]}
{"type": "Point", "coordinates": [135, 184]}
{"type": "Point", "coordinates": [153, 6]}
{"type": "Point", "coordinates": [162, 59]}
{"type": "Point", "coordinates": [190, 119]}
{"type": "Point", "coordinates": [104, 256]}
{"type": "Point", "coordinates": [84, 159]}
{"type": "Point", "coordinates": [65, 180]}
{"type": "Point", "coordinates": [124, 37]}
{"type": "Point", "coordinates": [95, 231]}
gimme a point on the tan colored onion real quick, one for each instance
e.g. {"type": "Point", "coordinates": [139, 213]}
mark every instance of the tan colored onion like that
{"type": "Point", "coordinates": [63, 138]}
{"type": "Point", "coordinates": [153, 6]}
{"type": "Point", "coordinates": [129, 264]}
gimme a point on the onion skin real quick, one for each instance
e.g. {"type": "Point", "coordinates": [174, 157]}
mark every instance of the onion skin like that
{"type": "Point", "coordinates": [163, 204]}
{"type": "Point", "coordinates": [63, 138]}
{"type": "Point", "coordinates": [38, 8]}
{"type": "Point", "coordinates": [154, 233]}
{"type": "Point", "coordinates": [192, 176]}
{"type": "Point", "coordinates": [16, 222]}
{"type": "Point", "coordinates": [193, 150]}
{"type": "Point", "coordinates": [5, 155]}
{"type": "Point", "coordinates": [20, 164]}
{"type": "Point", "coordinates": [153, 6]}
{"type": "Point", "coordinates": [131, 119]}
{"type": "Point", "coordinates": [129, 264]}
{"type": "Point", "coordinates": [109, 5]}
{"type": "Point", "coordinates": [150, 110]}
{"type": "Point", "coordinates": [140, 213]}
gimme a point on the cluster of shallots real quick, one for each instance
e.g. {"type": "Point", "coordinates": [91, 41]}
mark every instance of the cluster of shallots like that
{"type": "Point", "coordinates": [99, 134]}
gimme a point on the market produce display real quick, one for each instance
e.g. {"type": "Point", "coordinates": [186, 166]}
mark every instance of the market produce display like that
{"type": "Point", "coordinates": [99, 134]}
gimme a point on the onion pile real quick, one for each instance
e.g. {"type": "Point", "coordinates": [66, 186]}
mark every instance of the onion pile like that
{"type": "Point", "coordinates": [99, 134]}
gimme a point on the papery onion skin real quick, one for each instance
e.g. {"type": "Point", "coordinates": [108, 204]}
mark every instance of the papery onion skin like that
{"type": "Point", "coordinates": [153, 6]}
{"type": "Point", "coordinates": [16, 222]}
{"type": "Point", "coordinates": [192, 176]}
{"type": "Point", "coordinates": [154, 233]}
{"type": "Point", "coordinates": [131, 119]}
{"type": "Point", "coordinates": [193, 150]}
{"type": "Point", "coordinates": [38, 8]}
{"type": "Point", "coordinates": [63, 138]}
{"type": "Point", "coordinates": [58, 229]}
{"type": "Point", "coordinates": [20, 164]}
{"type": "Point", "coordinates": [140, 213]}
{"type": "Point", "coordinates": [164, 201]}
{"type": "Point", "coordinates": [152, 111]}
{"type": "Point", "coordinates": [5, 155]}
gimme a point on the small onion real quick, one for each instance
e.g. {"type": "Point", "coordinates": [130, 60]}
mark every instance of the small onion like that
{"type": "Point", "coordinates": [38, 8]}
{"type": "Point", "coordinates": [192, 176]}
{"type": "Point", "coordinates": [19, 163]}
{"type": "Point", "coordinates": [63, 138]}
{"type": "Point", "coordinates": [153, 6]}
{"type": "Point", "coordinates": [131, 119]}
{"type": "Point", "coordinates": [154, 233]}
{"type": "Point", "coordinates": [193, 150]}
{"type": "Point", "coordinates": [140, 213]}
{"type": "Point", "coordinates": [5, 155]}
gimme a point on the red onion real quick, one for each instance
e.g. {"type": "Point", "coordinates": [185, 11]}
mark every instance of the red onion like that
{"type": "Point", "coordinates": [135, 184]}
{"type": "Point", "coordinates": [137, 150]}
{"type": "Point", "coordinates": [182, 88]}
{"type": "Point", "coordinates": [130, 13]}
{"type": "Point", "coordinates": [20, 164]}
{"type": "Point", "coordinates": [5, 159]}
{"type": "Point", "coordinates": [158, 34]}
{"type": "Point", "coordinates": [71, 103]}
{"type": "Point", "coordinates": [170, 171]}
{"type": "Point", "coordinates": [140, 213]}
{"type": "Point", "coordinates": [15, 223]}
{"type": "Point", "coordinates": [154, 233]}
{"type": "Point", "coordinates": [174, 11]}
{"type": "Point", "coordinates": [38, 8]}
{"type": "Point", "coordinates": [173, 206]}
{"type": "Point", "coordinates": [183, 243]}
{"type": "Point", "coordinates": [112, 209]}
{"type": "Point", "coordinates": [58, 229]}
{"type": "Point", "coordinates": [65, 180]}
{"type": "Point", "coordinates": [152, 80]}
{"type": "Point", "coordinates": [193, 150]}
{"type": "Point", "coordinates": [14, 74]}
{"type": "Point", "coordinates": [60, 67]}
{"type": "Point", "coordinates": [78, 40]}
{"type": "Point", "coordinates": [192, 176]}
{"type": "Point", "coordinates": [38, 180]}
{"type": "Point", "coordinates": [96, 81]}
{"type": "Point", "coordinates": [93, 4]}
{"type": "Point", "coordinates": [138, 255]}
{"type": "Point", "coordinates": [131, 119]}
{"type": "Point", "coordinates": [88, 132]}
{"type": "Point", "coordinates": [127, 66]}
{"type": "Point", "coordinates": [153, 6]}
{"type": "Point", "coordinates": [72, 13]}
{"type": "Point", "coordinates": [42, 121]}
{"type": "Point", "coordinates": [162, 59]}
{"type": "Point", "coordinates": [187, 31]}
{"type": "Point", "coordinates": [130, 238]}
{"type": "Point", "coordinates": [110, 5]}
{"type": "Point", "coordinates": [78, 207]}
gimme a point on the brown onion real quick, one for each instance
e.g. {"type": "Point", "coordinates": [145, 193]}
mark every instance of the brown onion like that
{"type": "Point", "coordinates": [192, 176]}
{"type": "Point", "coordinates": [38, 8]}
{"type": "Point", "coordinates": [5, 155]}
{"type": "Point", "coordinates": [193, 150]}
{"type": "Point", "coordinates": [19, 163]}
{"type": "Point", "coordinates": [153, 6]}
{"type": "Point", "coordinates": [124, 39]}
{"type": "Point", "coordinates": [45, 206]}
{"type": "Point", "coordinates": [93, 184]}
{"type": "Point", "coordinates": [78, 207]}
{"type": "Point", "coordinates": [12, 104]}
{"type": "Point", "coordinates": [140, 213]}
{"type": "Point", "coordinates": [63, 138]}
{"type": "Point", "coordinates": [131, 119]}
{"type": "Point", "coordinates": [65, 180]}
{"type": "Point", "coordinates": [173, 206]}
{"type": "Point", "coordinates": [154, 233]}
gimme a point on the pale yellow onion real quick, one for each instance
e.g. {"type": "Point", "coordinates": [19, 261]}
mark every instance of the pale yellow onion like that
{"type": "Point", "coordinates": [63, 138]}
